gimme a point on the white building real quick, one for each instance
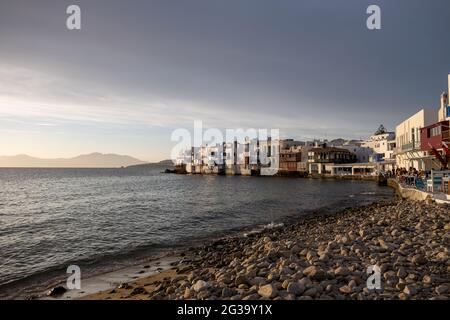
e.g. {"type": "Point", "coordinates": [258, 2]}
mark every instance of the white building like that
{"type": "Point", "coordinates": [444, 109]}
{"type": "Point", "coordinates": [408, 150]}
{"type": "Point", "coordinates": [363, 154]}
{"type": "Point", "coordinates": [383, 146]}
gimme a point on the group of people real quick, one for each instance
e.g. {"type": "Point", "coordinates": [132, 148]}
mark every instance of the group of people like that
{"type": "Point", "coordinates": [412, 176]}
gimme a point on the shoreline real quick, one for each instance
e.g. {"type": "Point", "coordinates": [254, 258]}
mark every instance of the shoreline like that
{"type": "Point", "coordinates": [110, 268]}
{"type": "Point", "coordinates": [327, 262]}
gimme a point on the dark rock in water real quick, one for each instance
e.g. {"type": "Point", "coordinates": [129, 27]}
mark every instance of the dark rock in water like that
{"type": "Point", "coordinates": [138, 290]}
{"type": "Point", "coordinates": [56, 291]}
{"type": "Point", "coordinates": [179, 169]}
{"type": "Point", "coordinates": [124, 286]}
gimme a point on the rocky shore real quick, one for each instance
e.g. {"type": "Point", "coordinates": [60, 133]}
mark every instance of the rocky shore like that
{"type": "Point", "coordinates": [319, 257]}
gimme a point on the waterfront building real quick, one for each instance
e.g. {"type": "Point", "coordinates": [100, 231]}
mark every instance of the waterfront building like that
{"type": "Point", "coordinates": [444, 108]}
{"type": "Point", "coordinates": [363, 154]}
{"type": "Point", "coordinates": [320, 158]}
{"type": "Point", "coordinates": [408, 152]}
{"type": "Point", "coordinates": [383, 146]}
{"type": "Point", "coordinates": [435, 143]}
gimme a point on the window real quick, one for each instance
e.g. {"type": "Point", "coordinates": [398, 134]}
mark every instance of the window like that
{"type": "Point", "coordinates": [436, 131]}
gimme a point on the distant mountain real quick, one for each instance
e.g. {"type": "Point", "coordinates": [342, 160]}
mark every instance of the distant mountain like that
{"type": "Point", "coordinates": [340, 142]}
{"type": "Point", "coordinates": [337, 142]}
{"type": "Point", "coordinates": [92, 160]}
{"type": "Point", "coordinates": [165, 163]}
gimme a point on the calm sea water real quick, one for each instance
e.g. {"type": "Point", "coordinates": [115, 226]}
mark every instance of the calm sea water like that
{"type": "Point", "coordinates": [53, 217]}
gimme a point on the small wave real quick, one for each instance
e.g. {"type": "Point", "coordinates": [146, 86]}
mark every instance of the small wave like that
{"type": "Point", "coordinates": [262, 228]}
{"type": "Point", "coordinates": [368, 193]}
{"type": "Point", "coordinates": [351, 196]}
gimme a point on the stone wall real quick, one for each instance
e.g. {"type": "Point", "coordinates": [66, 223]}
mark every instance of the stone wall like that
{"type": "Point", "coordinates": [408, 193]}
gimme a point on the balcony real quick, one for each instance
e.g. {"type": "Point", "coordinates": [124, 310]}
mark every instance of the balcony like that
{"type": "Point", "coordinates": [409, 147]}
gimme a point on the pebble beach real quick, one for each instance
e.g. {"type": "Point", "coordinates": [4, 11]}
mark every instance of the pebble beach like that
{"type": "Point", "coordinates": [318, 257]}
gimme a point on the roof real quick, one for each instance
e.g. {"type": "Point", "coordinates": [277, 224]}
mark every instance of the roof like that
{"type": "Point", "coordinates": [329, 149]}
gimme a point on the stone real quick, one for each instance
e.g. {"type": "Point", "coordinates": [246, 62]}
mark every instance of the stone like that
{"type": "Point", "coordinates": [56, 291]}
{"type": "Point", "coordinates": [124, 286]}
{"type": "Point", "coordinates": [410, 290]}
{"type": "Point", "coordinates": [401, 273]}
{"type": "Point", "coordinates": [203, 295]}
{"type": "Point", "coordinates": [200, 285]}
{"type": "Point", "coordinates": [403, 296]}
{"type": "Point", "coordinates": [295, 288]}
{"type": "Point", "coordinates": [241, 279]}
{"type": "Point", "coordinates": [427, 279]}
{"type": "Point", "coordinates": [252, 296]}
{"type": "Point", "coordinates": [346, 289]}
{"type": "Point", "coordinates": [443, 288]}
{"type": "Point", "coordinates": [187, 293]}
{"type": "Point", "coordinates": [138, 290]}
{"type": "Point", "coordinates": [442, 256]}
{"type": "Point", "coordinates": [268, 291]}
{"type": "Point", "coordinates": [314, 273]}
{"type": "Point", "coordinates": [311, 292]}
{"type": "Point", "coordinates": [341, 271]}
{"type": "Point", "coordinates": [227, 292]}
{"type": "Point", "coordinates": [419, 259]}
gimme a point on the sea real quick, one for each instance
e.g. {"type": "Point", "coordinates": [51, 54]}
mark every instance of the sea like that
{"type": "Point", "coordinates": [108, 218]}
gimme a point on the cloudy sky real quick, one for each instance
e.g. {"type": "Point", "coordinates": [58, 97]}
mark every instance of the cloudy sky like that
{"type": "Point", "coordinates": [137, 70]}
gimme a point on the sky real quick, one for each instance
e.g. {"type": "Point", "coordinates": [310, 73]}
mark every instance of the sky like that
{"type": "Point", "coordinates": [138, 70]}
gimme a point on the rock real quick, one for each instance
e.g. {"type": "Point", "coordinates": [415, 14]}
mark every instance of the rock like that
{"type": "Point", "coordinates": [241, 279]}
{"type": "Point", "coordinates": [346, 289]}
{"type": "Point", "coordinates": [295, 288]}
{"type": "Point", "coordinates": [419, 259]}
{"type": "Point", "coordinates": [341, 271]}
{"type": "Point", "coordinates": [266, 239]}
{"type": "Point", "coordinates": [310, 255]}
{"type": "Point", "coordinates": [401, 273]}
{"type": "Point", "coordinates": [410, 290]}
{"type": "Point", "coordinates": [203, 295]}
{"type": "Point", "coordinates": [443, 288]}
{"type": "Point", "coordinates": [227, 292]}
{"type": "Point", "coordinates": [258, 281]}
{"type": "Point", "coordinates": [383, 244]}
{"type": "Point", "coordinates": [427, 279]}
{"type": "Point", "coordinates": [442, 256]}
{"type": "Point", "coordinates": [200, 285]}
{"type": "Point", "coordinates": [138, 290]}
{"type": "Point", "coordinates": [400, 286]}
{"type": "Point", "coordinates": [314, 273]}
{"type": "Point", "coordinates": [311, 292]}
{"type": "Point", "coordinates": [56, 291]}
{"type": "Point", "coordinates": [268, 291]}
{"type": "Point", "coordinates": [124, 286]}
{"type": "Point", "coordinates": [187, 293]}
{"type": "Point", "coordinates": [252, 296]}
{"type": "Point", "coordinates": [403, 296]}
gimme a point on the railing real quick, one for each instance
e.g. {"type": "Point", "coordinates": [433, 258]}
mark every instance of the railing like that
{"type": "Point", "coordinates": [411, 146]}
